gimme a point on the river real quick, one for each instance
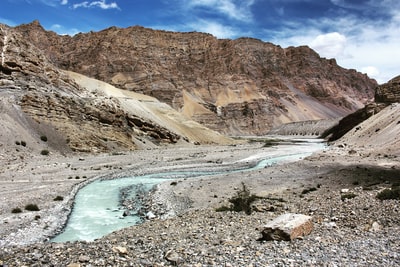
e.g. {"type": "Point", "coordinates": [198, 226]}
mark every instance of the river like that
{"type": "Point", "coordinates": [98, 210]}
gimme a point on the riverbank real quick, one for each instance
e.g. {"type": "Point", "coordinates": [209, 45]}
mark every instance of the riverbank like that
{"type": "Point", "coordinates": [41, 180]}
{"type": "Point", "coordinates": [358, 231]}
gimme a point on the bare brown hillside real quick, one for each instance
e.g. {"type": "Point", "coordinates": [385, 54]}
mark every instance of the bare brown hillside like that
{"type": "Point", "coordinates": [72, 112]}
{"type": "Point", "coordinates": [242, 86]}
{"type": "Point", "coordinates": [385, 95]}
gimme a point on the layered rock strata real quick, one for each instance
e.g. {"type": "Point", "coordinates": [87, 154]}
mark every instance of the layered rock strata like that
{"type": "Point", "coordinates": [242, 86]}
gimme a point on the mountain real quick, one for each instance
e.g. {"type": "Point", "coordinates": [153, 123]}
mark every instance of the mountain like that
{"type": "Point", "coordinates": [236, 87]}
{"type": "Point", "coordinates": [46, 108]}
{"type": "Point", "coordinates": [386, 96]}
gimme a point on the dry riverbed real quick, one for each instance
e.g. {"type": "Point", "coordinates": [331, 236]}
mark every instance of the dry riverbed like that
{"type": "Point", "coordinates": [359, 231]}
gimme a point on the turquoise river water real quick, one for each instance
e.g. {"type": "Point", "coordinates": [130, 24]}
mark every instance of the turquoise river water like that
{"type": "Point", "coordinates": [97, 209]}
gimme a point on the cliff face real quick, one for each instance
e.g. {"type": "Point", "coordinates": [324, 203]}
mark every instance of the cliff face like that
{"type": "Point", "coordinates": [75, 112]}
{"type": "Point", "coordinates": [242, 86]}
{"type": "Point", "coordinates": [385, 95]}
{"type": "Point", "coordinates": [388, 92]}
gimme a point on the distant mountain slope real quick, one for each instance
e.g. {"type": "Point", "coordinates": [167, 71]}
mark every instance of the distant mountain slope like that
{"type": "Point", "coordinates": [74, 112]}
{"type": "Point", "coordinates": [385, 95]}
{"type": "Point", "coordinates": [242, 86]}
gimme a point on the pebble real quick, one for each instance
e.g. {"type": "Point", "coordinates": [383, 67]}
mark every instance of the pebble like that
{"type": "Point", "coordinates": [210, 238]}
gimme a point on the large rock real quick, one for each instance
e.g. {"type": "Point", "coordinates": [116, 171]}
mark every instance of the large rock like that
{"type": "Point", "coordinates": [388, 92]}
{"type": "Point", "coordinates": [287, 227]}
{"type": "Point", "coordinates": [242, 86]}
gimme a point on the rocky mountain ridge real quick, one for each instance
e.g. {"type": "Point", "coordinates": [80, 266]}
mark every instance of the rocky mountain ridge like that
{"type": "Point", "coordinates": [385, 95]}
{"type": "Point", "coordinates": [242, 86]}
{"type": "Point", "coordinates": [77, 113]}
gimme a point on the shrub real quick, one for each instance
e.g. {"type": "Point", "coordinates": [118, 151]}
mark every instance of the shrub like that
{"type": "Point", "coordinates": [17, 143]}
{"type": "Point", "coordinates": [387, 193]}
{"type": "Point", "coordinates": [306, 191]}
{"type": "Point", "coordinates": [347, 196]}
{"type": "Point", "coordinates": [32, 207]}
{"type": "Point", "coordinates": [223, 208]}
{"type": "Point", "coordinates": [241, 202]}
{"type": "Point", "coordinates": [43, 138]}
{"type": "Point", "coordinates": [23, 143]}
{"type": "Point", "coordinates": [58, 198]}
{"type": "Point", "coordinates": [16, 210]}
{"type": "Point", "coordinates": [44, 152]}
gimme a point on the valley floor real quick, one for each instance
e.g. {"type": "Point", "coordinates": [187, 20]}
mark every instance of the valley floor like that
{"type": "Point", "coordinates": [359, 231]}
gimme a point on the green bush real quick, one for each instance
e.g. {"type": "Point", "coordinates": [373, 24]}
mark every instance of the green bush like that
{"type": "Point", "coordinates": [387, 193]}
{"type": "Point", "coordinates": [347, 196]}
{"type": "Point", "coordinates": [32, 207]}
{"type": "Point", "coordinates": [241, 202]}
{"type": "Point", "coordinates": [16, 210]}
{"type": "Point", "coordinates": [44, 152]}
{"type": "Point", "coordinates": [306, 191]}
{"type": "Point", "coordinates": [58, 198]}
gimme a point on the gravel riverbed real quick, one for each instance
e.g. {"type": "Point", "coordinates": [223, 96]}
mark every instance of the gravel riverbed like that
{"type": "Point", "coordinates": [348, 231]}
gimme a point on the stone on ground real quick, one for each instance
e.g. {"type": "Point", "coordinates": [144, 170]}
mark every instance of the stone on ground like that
{"type": "Point", "coordinates": [287, 227]}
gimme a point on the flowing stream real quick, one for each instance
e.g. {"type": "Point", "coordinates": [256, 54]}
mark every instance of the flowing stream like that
{"type": "Point", "coordinates": [98, 210]}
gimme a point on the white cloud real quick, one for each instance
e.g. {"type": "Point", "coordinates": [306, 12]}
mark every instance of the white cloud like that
{"type": "Point", "coordinates": [64, 2]}
{"type": "Point", "coordinates": [63, 31]}
{"type": "Point", "coordinates": [371, 71]}
{"type": "Point", "coordinates": [330, 45]}
{"type": "Point", "coordinates": [369, 46]}
{"type": "Point", "coordinates": [101, 4]}
{"type": "Point", "coordinates": [214, 28]}
{"type": "Point", "coordinates": [237, 10]}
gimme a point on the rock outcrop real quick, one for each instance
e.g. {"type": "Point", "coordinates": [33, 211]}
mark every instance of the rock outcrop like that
{"type": "Point", "coordinates": [78, 113]}
{"type": "Point", "coordinates": [242, 86]}
{"type": "Point", "coordinates": [385, 95]}
{"type": "Point", "coordinates": [388, 92]}
{"type": "Point", "coordinates": [287, 227]}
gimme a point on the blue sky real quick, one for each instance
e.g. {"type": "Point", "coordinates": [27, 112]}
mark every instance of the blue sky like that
{"type": "Point", "coordinates": [360, 34]}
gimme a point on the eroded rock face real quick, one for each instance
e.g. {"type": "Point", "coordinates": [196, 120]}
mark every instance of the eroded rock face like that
{"type": "Point", "coordinates": [50, 102]}
{"type": "Point", "coordinates": [242, 86]}
{"type": "Point", "coordinates": [388, 92]}
{"type": "Point", "coordinates": [385, 95]}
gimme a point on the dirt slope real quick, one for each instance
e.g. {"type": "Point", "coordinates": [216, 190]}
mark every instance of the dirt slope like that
{"type": "Point", "coordinates": [379, 134]}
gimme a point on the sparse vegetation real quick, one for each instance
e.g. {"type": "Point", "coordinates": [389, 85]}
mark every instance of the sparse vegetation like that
{"type": "Point", "coordinates": [23, 143]}
{"type": "Point", "coordinates": [389, 193]}
{"type": "Point", "coordinates": [17, 143]}
{"type": "Point", "coordinates": [16, 210]}
{"type": "Point", "coordinates": [32, 207]}
{"type": "Point", "coordinates": [58, 198]}
{"type": "Point", "coordinates": [44, 152]}
{"type": "Point", "coordinates": [306, 191]}
{"type": "Point", "coordinates": [43, 138]}
{"type": "Point", "coordinates": [347, 196]}
{"type": "Point", "coordinates": [241, 201]}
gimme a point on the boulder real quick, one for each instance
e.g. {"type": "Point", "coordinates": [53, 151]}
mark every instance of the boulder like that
{"type": "Point", "coordinates": [120, 250]}
{"type": "Point", "coordinates": [287, 227]}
